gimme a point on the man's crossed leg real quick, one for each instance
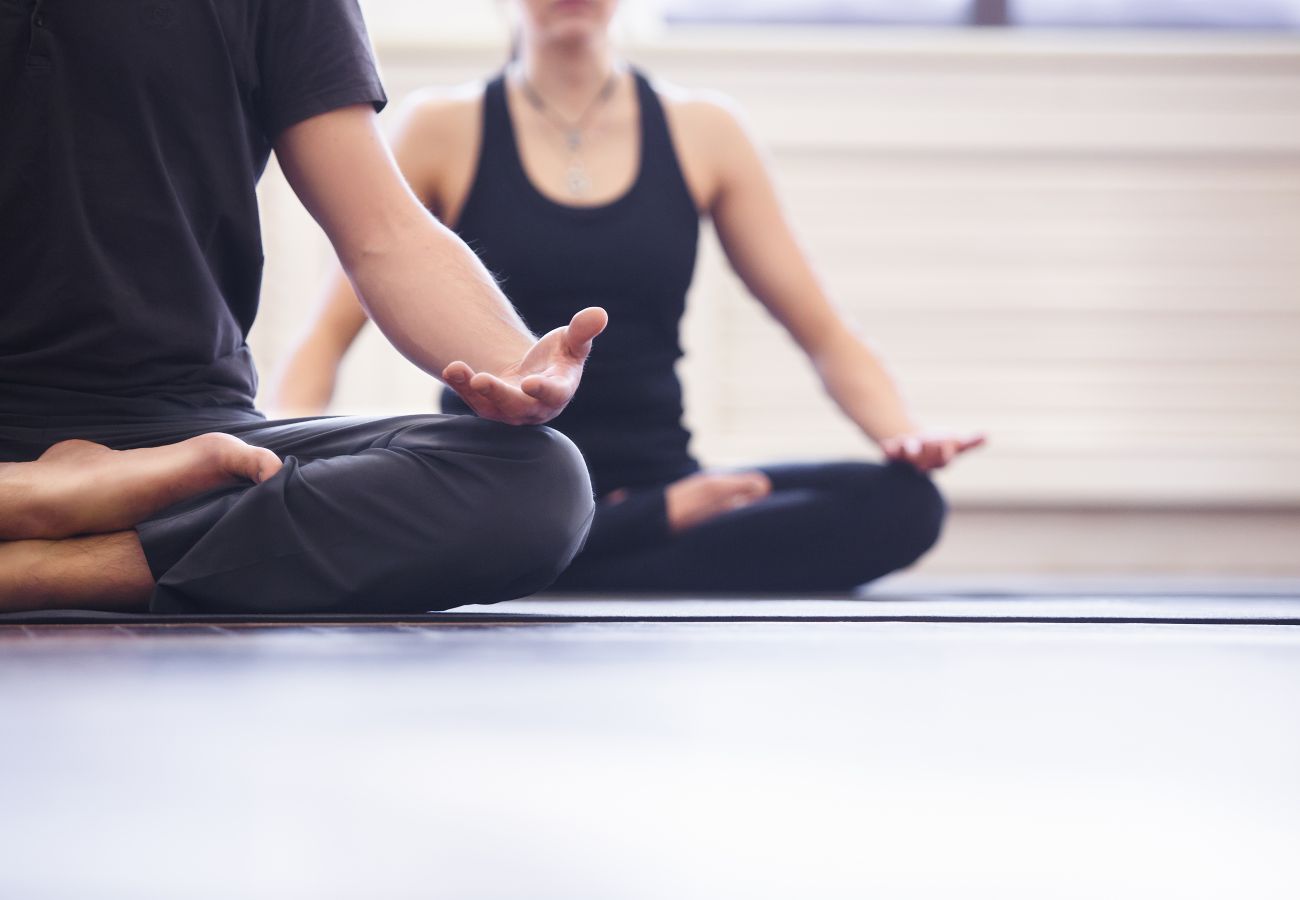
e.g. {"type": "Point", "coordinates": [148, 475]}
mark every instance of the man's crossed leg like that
{"type": "Point", "coordinates": [365, 515]}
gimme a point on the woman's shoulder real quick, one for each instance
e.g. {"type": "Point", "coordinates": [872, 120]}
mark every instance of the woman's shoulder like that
{"type": "Point", "coordinates": [435, 140]}
{"type": "Point", "coordinates": [708, 131]}
{"type": "Point", "coordinates": [699, 109]}
{"type": "Point", "coordinates": [705, 121]}
{"type": "Point", "coordinates": [442, 112]}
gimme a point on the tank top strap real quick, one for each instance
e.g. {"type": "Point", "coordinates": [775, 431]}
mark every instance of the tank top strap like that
{"type": "Point", "coordinates": [659, 157]}
{"type": "Point", "coordinates": [496, 147]}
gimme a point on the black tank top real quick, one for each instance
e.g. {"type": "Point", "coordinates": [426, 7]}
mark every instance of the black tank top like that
{"type": "Point", "coordinates": [633, 256]}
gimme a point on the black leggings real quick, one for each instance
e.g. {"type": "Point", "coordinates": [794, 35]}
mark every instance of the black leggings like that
{"type": "Point", "coordinates": [825, 527]}
{"type": "Point", "coordinates": [371, 515]}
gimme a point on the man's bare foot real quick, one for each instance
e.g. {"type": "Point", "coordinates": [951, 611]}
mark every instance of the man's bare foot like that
{"type": "Point", "coordinates": [77, 487]}
{"type": "Point", "coordinates": [705, 495]}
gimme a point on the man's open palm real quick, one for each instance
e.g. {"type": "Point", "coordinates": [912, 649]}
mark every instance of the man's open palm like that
{"type": "Point", "coordinates": [538, 387]}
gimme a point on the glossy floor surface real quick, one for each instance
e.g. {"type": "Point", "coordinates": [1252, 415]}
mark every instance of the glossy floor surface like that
{"type": "Point", "coordinates": [650, 760]}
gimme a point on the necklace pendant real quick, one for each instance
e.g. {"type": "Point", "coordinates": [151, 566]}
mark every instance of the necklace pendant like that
{"type": "Point", "coordinates": [579, 183]}
{"type": "Point", "coordinates": [573, 139]}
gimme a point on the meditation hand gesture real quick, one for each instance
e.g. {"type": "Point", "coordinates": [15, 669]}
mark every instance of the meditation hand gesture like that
{"type": "Point", "coordinates": [538, 387]}
{"type": "Point", "coordinates": [929, 450]}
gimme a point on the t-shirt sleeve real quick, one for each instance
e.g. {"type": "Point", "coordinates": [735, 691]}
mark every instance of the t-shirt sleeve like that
{"type": "Point", "coordinates": [313, 56]}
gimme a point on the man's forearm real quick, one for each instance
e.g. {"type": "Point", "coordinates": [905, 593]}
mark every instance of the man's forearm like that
{"type": "Point", "coordinates": [434, 300]}
{"type": "Point", "coordinates": [420, 284]}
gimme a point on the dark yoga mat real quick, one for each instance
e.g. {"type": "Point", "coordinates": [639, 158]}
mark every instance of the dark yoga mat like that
{"type": "Point", "coordinates": [1218, 603]}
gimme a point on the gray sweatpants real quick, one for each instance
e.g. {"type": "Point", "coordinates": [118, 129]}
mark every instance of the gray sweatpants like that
{"type": "Point", "coordinates": [368, 514]}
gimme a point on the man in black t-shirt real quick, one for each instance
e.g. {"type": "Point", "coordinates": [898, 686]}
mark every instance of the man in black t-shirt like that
{"type": "Point", "coordinates": [134, 468]}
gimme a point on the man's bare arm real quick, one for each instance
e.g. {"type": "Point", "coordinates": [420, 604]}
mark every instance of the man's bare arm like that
{"type": "Point", "coordinates": [423, 287]}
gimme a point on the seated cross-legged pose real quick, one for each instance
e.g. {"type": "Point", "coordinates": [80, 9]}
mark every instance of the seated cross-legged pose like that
{"type": "Point", "coordinates": [573, 177]}
{"type": "Point", "coordinates": [134, 469]}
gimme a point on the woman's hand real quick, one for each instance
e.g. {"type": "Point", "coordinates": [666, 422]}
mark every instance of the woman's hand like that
{"type": "Point", "coordinates": [928, 450]}
{"type": "Point", "coordinates": [538, 387]}
{"type": "Point", "coordinates": [698, 498]}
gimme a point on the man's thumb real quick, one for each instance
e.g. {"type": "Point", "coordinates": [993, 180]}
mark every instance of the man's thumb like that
{"type": "Point", "coordinates": [583, 329]}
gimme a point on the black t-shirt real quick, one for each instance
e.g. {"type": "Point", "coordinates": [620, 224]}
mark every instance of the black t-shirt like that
{"type": "Point", "coordinates": [132, 136]}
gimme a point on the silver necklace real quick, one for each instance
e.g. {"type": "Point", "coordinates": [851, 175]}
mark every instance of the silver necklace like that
{"type": "Point", "coordinates": [576, 178]}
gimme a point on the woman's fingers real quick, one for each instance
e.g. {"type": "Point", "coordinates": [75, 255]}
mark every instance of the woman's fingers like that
{"type": "Point", "coordinates": [941, 452]}
{"type": "Point", "coordinates": [930, 451]}
{"type": "Point", "coordinates": [927, 458]}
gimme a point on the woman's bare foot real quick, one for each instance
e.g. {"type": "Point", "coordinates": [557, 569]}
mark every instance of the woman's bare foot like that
{"type": "Point", "coordinates": [705, 495]}
{"type": "Point", "coordinates": [78, 487]}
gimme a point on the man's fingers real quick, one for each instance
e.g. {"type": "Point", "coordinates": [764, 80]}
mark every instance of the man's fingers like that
{"type": "Point", "coordinates": [457, 374]}
{"type": "Point", "coordinates": [582, 330]}
{"type": "Point", "coordinates": [553, 392]}
{"type": "Point", "coordinates": [496, 391]}
{"type": "Point", "coordinates": [972, 441]}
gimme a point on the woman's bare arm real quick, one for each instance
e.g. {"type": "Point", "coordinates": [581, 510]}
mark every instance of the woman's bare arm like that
{"type": "Point", "coordinates": [428, 126]}
{"type": "Point", "coordinates": [762, 248]}
{"type": "Point", "coordinates": [304, 385]}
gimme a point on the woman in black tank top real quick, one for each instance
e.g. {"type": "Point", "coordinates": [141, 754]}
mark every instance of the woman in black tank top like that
{"type": "Point", "coordinates": [635, 253]}
{"type": "Point", "coordinates": [530, 178]}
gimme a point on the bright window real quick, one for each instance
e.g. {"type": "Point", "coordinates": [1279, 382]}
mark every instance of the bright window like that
{"type": "Point", "coordinates": [1249, 14]}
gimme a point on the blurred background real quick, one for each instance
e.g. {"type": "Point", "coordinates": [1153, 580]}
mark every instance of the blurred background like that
{"type": "Point", "coordinates": [1073, 224]}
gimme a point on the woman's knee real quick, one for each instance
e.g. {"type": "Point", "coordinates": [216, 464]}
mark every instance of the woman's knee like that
{"type": "Point", "coordinates": [887, 516]}
{"type": "Point", "coordinates": [916, 511]}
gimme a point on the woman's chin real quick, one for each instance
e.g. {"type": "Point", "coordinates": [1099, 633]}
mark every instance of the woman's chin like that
{"type": "Point", "coordinates": [575, 34]}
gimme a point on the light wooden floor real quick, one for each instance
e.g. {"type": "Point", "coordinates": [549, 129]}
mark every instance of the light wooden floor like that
{"type": "Point", "coordinates": [650, 760]}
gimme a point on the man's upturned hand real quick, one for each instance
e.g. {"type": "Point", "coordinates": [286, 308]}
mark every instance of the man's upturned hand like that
{"type": "Point", "coordinates": [538, 387]}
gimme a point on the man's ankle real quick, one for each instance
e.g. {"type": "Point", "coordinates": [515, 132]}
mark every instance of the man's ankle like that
{"type": "Point", "coordinates": [107, 572]}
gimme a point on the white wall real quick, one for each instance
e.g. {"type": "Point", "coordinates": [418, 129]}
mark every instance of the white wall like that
{"type": "Point", "coordinates": [1087, 244]}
